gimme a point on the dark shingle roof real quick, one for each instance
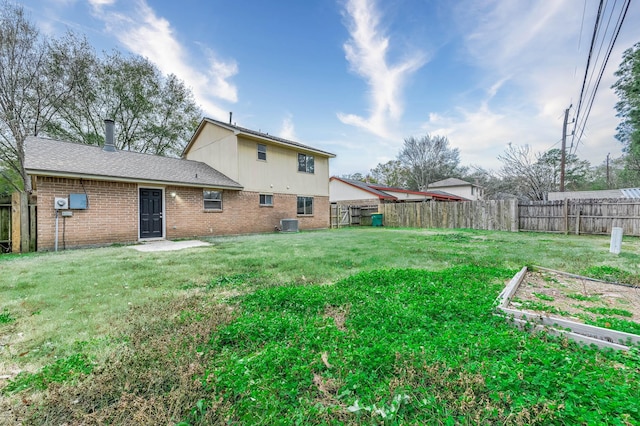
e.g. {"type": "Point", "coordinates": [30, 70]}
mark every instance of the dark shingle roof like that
{"type": "Point", "coordinates": [68, 159]}
{"type": "Point", "coordinates": [249, 132]}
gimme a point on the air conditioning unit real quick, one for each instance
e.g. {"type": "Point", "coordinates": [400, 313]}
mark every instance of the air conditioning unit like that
{"type": "Point", "coordinates": [289, 225]}
{"type": "Point", "coordinates": [60, 203]}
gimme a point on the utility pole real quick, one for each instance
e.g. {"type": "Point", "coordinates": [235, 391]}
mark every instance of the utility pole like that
{"type": "Point", "coordinates": [564, 148]}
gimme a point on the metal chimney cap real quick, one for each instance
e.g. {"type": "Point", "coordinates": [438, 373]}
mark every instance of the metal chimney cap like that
{"type": "Point", "coordinates": [109, 146]}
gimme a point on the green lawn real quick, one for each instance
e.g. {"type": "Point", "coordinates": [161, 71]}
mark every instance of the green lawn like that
{"type": "Point", "coordinates": [343, 326]}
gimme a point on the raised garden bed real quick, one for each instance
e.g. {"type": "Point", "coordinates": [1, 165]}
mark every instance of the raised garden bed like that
{"type": "Point", "coordinates": [584, 309]}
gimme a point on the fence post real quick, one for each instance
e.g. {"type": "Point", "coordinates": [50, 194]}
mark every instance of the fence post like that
{"type": "Point", "coordinates": [515, 216]}
{"type": "Point", "coordinates": [33, 227]}
{"type": "Point", "coordinates": [24, 222]}
{"type": "Point", "coordinates": [15, 222]}
{"type": "Point", "coordinates": [566, 216]}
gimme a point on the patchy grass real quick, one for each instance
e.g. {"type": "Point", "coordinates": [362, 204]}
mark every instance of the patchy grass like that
{"type": "Point", "coordinates": [416, 347]}
{"type": "Point", "coordinates": [157, 329]}
{"type": "Point", "coordinates": [612, 274]}
{"type": "Point", "coordinates": [62, 370]}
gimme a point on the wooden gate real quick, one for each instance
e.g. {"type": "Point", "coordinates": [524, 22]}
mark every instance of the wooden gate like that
{"type": "Point", "coordinates": [342, 215]}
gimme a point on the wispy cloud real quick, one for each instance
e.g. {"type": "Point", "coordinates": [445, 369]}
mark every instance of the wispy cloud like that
{"type": "Point", "coordinates": [288, 130]}
{"type": "Point", "coordinates": [366, 51]}
{"type": "Point", "coordinates": [146, 34]}
{"type": "Point", "coordinates": [525, 56]}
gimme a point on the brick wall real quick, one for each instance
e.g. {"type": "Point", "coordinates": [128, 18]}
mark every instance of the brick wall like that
{"type": "Point", "coordinates": [112, 216]}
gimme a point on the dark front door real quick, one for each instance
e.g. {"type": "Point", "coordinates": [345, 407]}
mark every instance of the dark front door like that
{"type": "Point", "coordinates": [150, 213]}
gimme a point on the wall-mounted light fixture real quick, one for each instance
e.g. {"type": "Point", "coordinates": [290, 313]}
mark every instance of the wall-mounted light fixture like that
{"type": "Point", "coordinates": [173, 194]}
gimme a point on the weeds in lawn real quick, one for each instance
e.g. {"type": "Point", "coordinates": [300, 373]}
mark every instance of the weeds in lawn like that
{"type": "Point", "coordinates": [606, 311]}
{"type": "Point", "coordinates": [612, 274]}
{"type": "Point", "coordinates": [416, 347]}
{"type": "Point", "coordinates": [545, 297]}
{"type": "Point", "coordinates": [615, 323]}
{"type": "Point", "coordinates": [62, 370]}
{"type": "Point", "coordinates": [583, 298]}
{"type": "Point", "coordinates": [253, 329]}
{"type": "Point", "coordinates": [5, 317]}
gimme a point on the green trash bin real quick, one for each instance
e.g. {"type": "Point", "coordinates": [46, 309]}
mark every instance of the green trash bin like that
{"type": "Point", "coordinates": [376, 219]}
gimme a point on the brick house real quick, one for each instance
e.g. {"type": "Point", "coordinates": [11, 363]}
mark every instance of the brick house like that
{"type": "Point", "coordinates": [230, 181]}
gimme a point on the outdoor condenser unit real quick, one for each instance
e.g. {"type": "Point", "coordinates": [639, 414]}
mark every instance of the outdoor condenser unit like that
{"type": "Point", "coordinates": [289, 225]}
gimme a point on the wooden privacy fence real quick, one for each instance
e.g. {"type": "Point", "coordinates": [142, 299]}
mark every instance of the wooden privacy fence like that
{"type": "Point", "coordinates": [597, 216]}
{"type": "Point", "coordinates": [17, 223]}
{"type": "Point", "coordinates": [586, 216]}
{"type": "Point", "coordinates": [500, 215]}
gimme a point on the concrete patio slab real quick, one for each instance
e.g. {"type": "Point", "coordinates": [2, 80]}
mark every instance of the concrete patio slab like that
{"type": "Point", "coordinates": [166, 245]}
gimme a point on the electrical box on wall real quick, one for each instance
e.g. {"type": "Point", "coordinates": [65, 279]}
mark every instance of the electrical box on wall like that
{"type": "Point", "coordinates": [78, 201]}
{"type": "Point", "coordinates": [60, 203]}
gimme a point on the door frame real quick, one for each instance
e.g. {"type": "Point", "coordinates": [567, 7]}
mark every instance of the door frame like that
{"type": "Point", "coordinates": [164, 215]}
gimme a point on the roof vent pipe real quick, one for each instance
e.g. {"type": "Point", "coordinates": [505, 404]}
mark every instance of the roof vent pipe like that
{"type": "Point", "coordinates": [108, 136]}
{"type": "Point", "coordinates": [230, 116]}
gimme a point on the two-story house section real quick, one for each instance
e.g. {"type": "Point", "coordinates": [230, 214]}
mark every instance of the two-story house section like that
{"type": "Point", "coordinates": [281, 179]}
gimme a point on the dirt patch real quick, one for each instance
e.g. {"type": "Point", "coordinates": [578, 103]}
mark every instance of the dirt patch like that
{"type": "Point", "coordinates": [577, 299]}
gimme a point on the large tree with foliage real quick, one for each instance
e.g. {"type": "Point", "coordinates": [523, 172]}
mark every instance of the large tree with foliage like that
{"type": "Point", "coordinates": [392, 173]}
{"type": "Point", "coordinates": [37, 77]}
{"type": "Point", "coordinates": [428, 159]}
{"type": "Point", "coordinates": [575, 170]}
{"type": "Point", "coordinates": [59, 87]}
{"type": "Point", "coordinates": [628, 107]}
{"type": "Point", "coordinates": [153, 113]}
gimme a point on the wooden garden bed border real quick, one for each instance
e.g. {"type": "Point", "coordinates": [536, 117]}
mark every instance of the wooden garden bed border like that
{"type": "Point", "coordinates": [578, 332]}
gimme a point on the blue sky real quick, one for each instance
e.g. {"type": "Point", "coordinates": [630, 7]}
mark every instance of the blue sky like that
{"type": "Point", "coordinates": [356, 77]}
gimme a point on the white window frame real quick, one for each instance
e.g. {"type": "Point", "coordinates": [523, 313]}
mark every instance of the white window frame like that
{"type": "Point", "coordinates": [211, 200]}
{"type": "Point", "coordinates": [264, 200]}
{"type": "Point", "coordinates": [260, 145]}
{"type": "Point", "coordinates": [304, 207]}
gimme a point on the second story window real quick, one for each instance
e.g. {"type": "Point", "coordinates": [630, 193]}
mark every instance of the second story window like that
{"type": "Point", "coordinates": [305, 163]}
{"type": "Point", "coordinates": [262, 152]}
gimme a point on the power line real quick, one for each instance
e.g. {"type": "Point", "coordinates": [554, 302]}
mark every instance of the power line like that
{"type": "Point", "coordinates": [617, 29]}
{"type": "Point", "coordinates": [586, 71]}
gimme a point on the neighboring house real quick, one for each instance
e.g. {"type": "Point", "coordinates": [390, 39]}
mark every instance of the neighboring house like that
{"type": "Point", "coordinates": [124, 197]}
{"type": "Point", "coordinates": [464, 189]}
{"type": "Point", "coordinates": [357, 193]}
{"type": "Point", "coordinates": [605, 193]}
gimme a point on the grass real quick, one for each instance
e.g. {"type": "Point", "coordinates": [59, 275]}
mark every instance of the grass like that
{"type": "Point", "coordinates": [323, 327]}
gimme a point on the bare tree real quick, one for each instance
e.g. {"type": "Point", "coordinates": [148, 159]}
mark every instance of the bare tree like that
{"type": "Point", "coordinates": [428, 159]}
{"type": "Point", "coordinates": [37, 77]}
{"type": "Point", "coordinates": [523, 173]}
